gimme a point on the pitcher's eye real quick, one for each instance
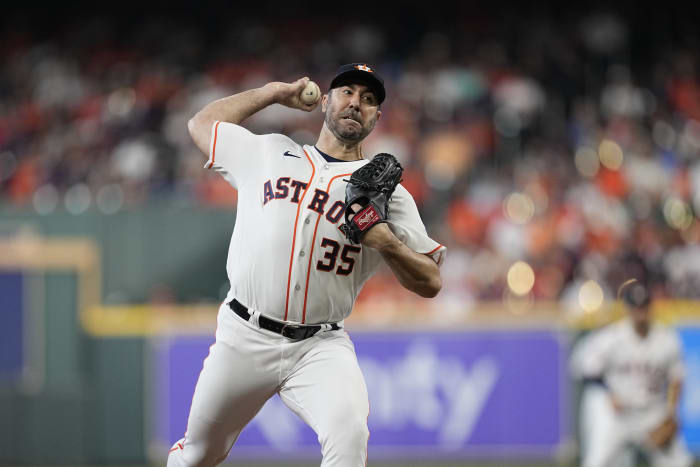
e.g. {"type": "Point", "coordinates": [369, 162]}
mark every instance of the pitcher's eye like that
{"type": "Point", "coordinates": [369, 98]}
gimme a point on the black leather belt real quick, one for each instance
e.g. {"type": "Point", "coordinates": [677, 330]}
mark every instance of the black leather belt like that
{"type": "Point", "coordinates": [295, 332]}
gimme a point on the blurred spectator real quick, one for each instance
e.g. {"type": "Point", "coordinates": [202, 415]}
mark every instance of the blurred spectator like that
{"type": "Point", "coordinates": [554, 144]}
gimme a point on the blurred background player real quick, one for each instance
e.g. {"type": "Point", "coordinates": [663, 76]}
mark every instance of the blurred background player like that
{"type": "Point", "coordinates": [633, 372]}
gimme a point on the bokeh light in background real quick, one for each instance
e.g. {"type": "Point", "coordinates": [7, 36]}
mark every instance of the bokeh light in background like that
{"type": "Point", "coordinates": [45, 199]}
{"type": "Point", "coordinates": [78, 198]}
{"type": "Point", "coordinates": [518, 304]}
{"type": "Point", "coordinates": [587, 162]}
{"type": "Point", "coordinates": [677, 214]}
{"type": "Point", "coordinates": [590, 296]}
{"type": "Point", "coordinates": [610, 154]}
{"type": "Point", "coordinates": [519, 208]}
{"type": "Point", "coordinates": [664, 135]}
{"type": "Point", "coordinates": [521, 278]}
{"type": "Point", "coordinates": [110, 198]}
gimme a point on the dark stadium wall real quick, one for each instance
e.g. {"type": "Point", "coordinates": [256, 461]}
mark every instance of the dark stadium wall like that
{"type": "Point", "coordinates": [159, 245]}
{"type": "Point", "coordinates": [89, 407]}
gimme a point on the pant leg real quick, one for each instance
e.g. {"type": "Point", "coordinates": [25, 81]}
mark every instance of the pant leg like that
{"type": "Point", "coordinates": [240, 374]}
{"type": "Point", "coordinates": [327, 390]}
{"type": "Point", "coordinates": [601, 430]}
{"type": "Point", "coordinates": [675, 455]}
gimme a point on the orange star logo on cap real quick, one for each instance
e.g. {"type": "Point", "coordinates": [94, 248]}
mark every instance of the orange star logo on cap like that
{"type": "Point", "coordinates": [363, 68]}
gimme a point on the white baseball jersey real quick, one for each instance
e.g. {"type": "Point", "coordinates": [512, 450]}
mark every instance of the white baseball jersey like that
{"type": "Point", "coordinates": [637, 370]}
{"type": "Point", "coordinates": [287, 258]}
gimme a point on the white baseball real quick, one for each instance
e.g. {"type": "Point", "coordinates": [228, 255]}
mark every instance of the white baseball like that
{"type": "Point", "coordinates": [311, 93]}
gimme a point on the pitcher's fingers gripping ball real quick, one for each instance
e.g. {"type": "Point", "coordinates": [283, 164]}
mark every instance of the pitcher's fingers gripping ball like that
{"type": "Point", "coordinates": [311, 93]}
{"type": "Point", "coordinates": [367, 195]}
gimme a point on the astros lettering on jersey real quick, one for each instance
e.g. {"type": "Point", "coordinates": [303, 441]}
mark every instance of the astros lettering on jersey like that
{"type": "Point", "coordinates": [306, 277]}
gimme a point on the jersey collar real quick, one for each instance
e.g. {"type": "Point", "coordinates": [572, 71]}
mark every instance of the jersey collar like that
{"type": "Point", "coordinates": [330, 158]}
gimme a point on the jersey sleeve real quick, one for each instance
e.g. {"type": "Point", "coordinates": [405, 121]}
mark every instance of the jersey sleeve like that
{"type": "Point", "coordinates": [590, 358]}
{"type": "Point", "coordinates": [405, 222]}
{"type": "Point", "coordinates": [234, 152]}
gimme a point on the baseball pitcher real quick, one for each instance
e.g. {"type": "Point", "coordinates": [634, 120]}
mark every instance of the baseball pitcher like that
{"type": "Point", "coordinates": [313, 223]}
{"type": "Point", "coordinates": [635, 372]}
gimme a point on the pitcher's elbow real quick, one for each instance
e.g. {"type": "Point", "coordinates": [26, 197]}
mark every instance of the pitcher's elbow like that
{"type": "Point", "coordinates": [431, 288]}
{"type": "Point", "coordinates": [192, 126]}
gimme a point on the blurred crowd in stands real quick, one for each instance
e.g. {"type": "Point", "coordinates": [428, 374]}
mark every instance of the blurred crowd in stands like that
{"type": "Point", "coordinates": [570, 145]}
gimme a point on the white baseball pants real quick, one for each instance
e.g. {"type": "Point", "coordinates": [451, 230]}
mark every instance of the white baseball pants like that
{"type": "Point", "coordinates": [319, 379]}
{"type": "Point", "coordinates": [607, 435]}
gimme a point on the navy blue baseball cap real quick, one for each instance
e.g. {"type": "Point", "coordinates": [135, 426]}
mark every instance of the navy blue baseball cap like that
{"type": "Point", "coordinates": [360, 73]}
{"type": "Point", "coordinates": [635, 294]}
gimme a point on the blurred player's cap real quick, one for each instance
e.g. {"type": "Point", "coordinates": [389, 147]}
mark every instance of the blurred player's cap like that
{"type": "Point", "coordinates": [360, 73]}
{"type": "Point", "coordinates": [634, 294]}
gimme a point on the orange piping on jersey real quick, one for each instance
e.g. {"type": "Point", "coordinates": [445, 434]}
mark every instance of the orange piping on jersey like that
{"type": "Point", "coordinates": [178, 446]}
{"type": "Point", "coordinates": [436, 249]}
{"type": "Point", "coordinates": [313, 243]}
{"type": "Point", "coordinates": [213, 147]}
{"type": "Point", "coordinates": [294, 238]}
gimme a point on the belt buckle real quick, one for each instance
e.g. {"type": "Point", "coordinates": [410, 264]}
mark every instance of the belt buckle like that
{"type": "Point", "coordinates": [286, 333]}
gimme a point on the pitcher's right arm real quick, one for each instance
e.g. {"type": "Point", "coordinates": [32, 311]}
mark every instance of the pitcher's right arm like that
{"type": "Point", "coordinates": [238, 107]}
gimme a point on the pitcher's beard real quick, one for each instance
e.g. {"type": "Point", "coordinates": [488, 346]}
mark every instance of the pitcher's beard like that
{"type": "Point", "coordinates": [348, 134]}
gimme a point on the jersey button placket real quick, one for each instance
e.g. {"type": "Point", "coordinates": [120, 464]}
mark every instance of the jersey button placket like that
{"type": "Point", "coordinates": [300, 263]}
{"type": "Point", "coordinates": [307, 233]}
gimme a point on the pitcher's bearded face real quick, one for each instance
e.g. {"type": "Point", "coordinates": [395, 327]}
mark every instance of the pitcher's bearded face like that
{"type": "Point", "coordinates": [351, 112]}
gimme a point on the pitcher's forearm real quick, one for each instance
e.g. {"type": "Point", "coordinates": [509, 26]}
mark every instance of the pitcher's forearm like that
{"type": "Point", "coordinates": [238, 107]}
{"type": "Point", "coordinates": [416, 272]}
{"type": "Point", "coordinates": [232, 109]}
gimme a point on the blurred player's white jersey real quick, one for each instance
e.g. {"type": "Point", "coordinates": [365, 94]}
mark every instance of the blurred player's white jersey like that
{"type": "Point", "coordinates": [636, 370]}
{"type": "Point", "coordinates": [290, 208]}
